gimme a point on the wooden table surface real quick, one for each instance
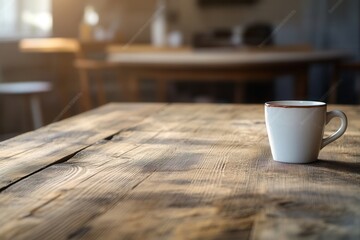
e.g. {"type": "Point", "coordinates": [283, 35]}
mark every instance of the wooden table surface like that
{"type": "Point", "coordinates": [175, 171]}
{"type": "Point", "coordinates": [220, 58]}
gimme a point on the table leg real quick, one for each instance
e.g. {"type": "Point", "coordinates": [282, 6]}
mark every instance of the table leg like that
{"type": "Point", "coordinates": [334, 84]}
{"type": "Point", "coordinates": [84, 86]}
{"type": "Point", "coordinates": [301, 84]}
{"type": "Point", "coordinates": [161, 90]}
{"type": "Point", "coordinates": [36, 111]}
{"type": "Point", "coordinates": [239, 92]}
{"type": "Point", "coordinates": [62, 68]}
{"type": "Point", "coordinates": [133, 90]}
{"type": "Point", "coordinates": [121, 78]}
{"type": "Point", "coordinates": [100, 90]}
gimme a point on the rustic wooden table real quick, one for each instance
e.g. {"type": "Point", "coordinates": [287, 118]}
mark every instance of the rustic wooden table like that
{"type": "Point", "coordinates": [238, 66]}
{"type": "Point", "coordinates": [176, 171]}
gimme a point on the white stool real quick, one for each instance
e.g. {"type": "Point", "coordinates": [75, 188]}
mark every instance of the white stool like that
{"type": "Point", "coordinates": [30, 90]}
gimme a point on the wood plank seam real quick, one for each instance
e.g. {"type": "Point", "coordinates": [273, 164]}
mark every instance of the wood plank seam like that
{"type": "Point", "coordinates": [62, 160]}
{"type": "Point", "coordinates": [33, 211]}
{"type": "Point", "coordinates": [6, 183]}
{"type": "Point", "coordinates": [142, 180]}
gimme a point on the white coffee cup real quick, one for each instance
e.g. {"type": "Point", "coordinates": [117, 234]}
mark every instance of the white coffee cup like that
{"type": "Point", "coordinates": [296, 128]}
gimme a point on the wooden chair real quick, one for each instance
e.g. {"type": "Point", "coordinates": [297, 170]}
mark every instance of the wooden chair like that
{"type": "Point", "coordinates": [92, 67]}
{"type": "Point", "coordinates": [350, 67]}
{"type": "Point", "coordinates": [31, 91]}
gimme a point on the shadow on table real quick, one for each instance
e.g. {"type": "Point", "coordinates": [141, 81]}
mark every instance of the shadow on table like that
{"type": "Point", "coordinates": [346, 167]}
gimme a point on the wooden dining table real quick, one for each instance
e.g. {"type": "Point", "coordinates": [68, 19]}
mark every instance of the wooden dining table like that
{"type": "Point", "coordinates": [175, 171]}
{"type": "Point", "coordinates": [238, 65]}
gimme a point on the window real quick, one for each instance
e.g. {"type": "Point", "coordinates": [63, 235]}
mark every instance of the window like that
{"type": "Point", "coordinates": [25, 18]}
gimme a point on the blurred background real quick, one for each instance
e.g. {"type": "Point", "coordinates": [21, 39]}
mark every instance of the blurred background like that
{"type": "Point", "coordinates": [54, 91]}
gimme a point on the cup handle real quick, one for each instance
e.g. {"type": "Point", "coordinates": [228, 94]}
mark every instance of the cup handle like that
{"type": "Point", "coordinates": [343, 125]}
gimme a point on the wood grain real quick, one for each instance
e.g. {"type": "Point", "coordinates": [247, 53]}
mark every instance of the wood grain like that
{"type": "Point", "coordinates": [28, 153]}
{"type": "Point", "coordinates": [189, 172]}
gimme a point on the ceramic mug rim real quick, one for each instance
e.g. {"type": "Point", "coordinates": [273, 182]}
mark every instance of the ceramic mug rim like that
{"type": "Point", "coordinates": [295, 104]}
